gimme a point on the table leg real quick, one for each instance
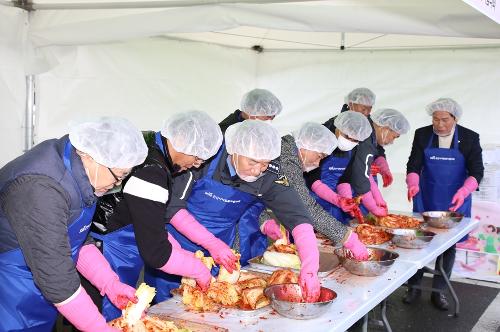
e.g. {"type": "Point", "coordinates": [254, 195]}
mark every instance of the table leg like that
{"type": "Point", "coordinates": [365, 323]}
{"type": "Point", "coordinates": [384, 316]}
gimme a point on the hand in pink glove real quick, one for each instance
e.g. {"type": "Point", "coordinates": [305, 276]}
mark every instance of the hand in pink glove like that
{"type": "Point", "coordinates": [347, 204]}
{"type": "Point", "coordinates": [325, 192]}
{"type": "Point", "coordinates": [357, 247]}
{"type": "Point", "coordinates": [186, 224]}
{"type": "Point", "coordinates": [412, 183]}
{"type": "Point", "coordinates": [469, 186]}
{"type": "Point", "coordinates": [369, 202]}
{"type": "Point", "coordinates": [96, 269]}
{"type": "Point", "coordinates": [344, 190]}
{"type": "Point", "coordinates": [387, 178]}
{"type": "Point", "coordinates": [271, 229]}
{"type": "Point", "coordinates": [307, 248]}
{"type": "Point", "coordinates": [377, 195]}
{"type": "Point", "coordinates": [80, 310]}
{"type": "Point", "coordinates": [458, 199]}
{"type": "Point", "coordinates": [183, 263]}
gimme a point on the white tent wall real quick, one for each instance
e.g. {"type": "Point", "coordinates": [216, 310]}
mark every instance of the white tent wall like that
{"type": "Point", "coordinates": [13, 28]}
{"type": "Point", "coordinates": [146, 80]}
{"type": "Point", "coordinates": [312, 86]}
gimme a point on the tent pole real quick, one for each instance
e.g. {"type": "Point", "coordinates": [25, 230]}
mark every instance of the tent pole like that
{"type": "Point", "coordinates": [29, 113]}
{"type": "Point", "coordinates": [150, 4]}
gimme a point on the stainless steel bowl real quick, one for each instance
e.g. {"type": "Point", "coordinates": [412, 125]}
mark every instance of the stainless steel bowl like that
{"type": "Point", "coordinates": [286, 299]}
{"type": "Point", "coordinates": [416, 240]}
{"type": "Point", "coordinates": [442, 219]}
{"type": "Point", "coordinates": [379, 261]}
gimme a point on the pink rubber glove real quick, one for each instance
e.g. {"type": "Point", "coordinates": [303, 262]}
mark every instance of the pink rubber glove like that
{"type": "Point", "coordinates": [183, 263]}
{"type": "Point", "coordinates": [173, 241]}
{"type": "Point", "coordinates": [185, 223]}
{"type": "Point", "coordinates": [325, 192]}
{"type": "Point", "coordinates": [469, 186]}
{"type": "Point", "coordinates": [357, 247]}
{"type": "Point", "coordinates": [369, 202]}
{"type": "Point", "coordinates": [271, 229]}
{"type": "Point", "coordinates": [80, 311]}
{"type": "Point", "coordinates": [96, 269]}
{"type": "Point", "coordinates": [307, 248]}
{"type": "Point", "coordinates": [377, 195]}
{"type": "Point", "coordinates": [412, 183]}
{"type": "Point", "coordinates": [344, 190]}
{"type": "Point", "coordinates": [387, 178]}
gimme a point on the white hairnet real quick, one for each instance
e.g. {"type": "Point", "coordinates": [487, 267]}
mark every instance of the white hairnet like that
{"type": "Point", "coordinates": [315, 137]}
{"type": "Point", "coordinates": [260, 102]}
{"type": "Point", "coordinates": [363, 96]}
{"type": "Point", "coordinates": [447, 105]}
{"type": "Point", "coordinates": [194, 133]}
{"type": "Point", "coordinates": [395, 120]}
{"type": "Point", "coordinates": [112, 142]}
{"type": "Point", "coordinates": [353, 124]}
{"type": "Point", "coordinates": [253, 139]}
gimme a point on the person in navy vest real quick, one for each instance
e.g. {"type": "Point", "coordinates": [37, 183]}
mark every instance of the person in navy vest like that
{"type": "Point", "coordinates": [247, 169]}
{"type": "Point", "coordinates": [137, 235]}
{"type": "Point", "coordinates": [445, 166]}
{"type": "Point", "coordinates": [47, 199]}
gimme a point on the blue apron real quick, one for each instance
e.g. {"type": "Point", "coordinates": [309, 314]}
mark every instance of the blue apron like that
{"type": "Point", "coordinates": [218, 208]}
{"type": "Point", "coordinates": [443, 173]}
{"type": "Point", "coordinates": [121, 251]}
{"type": "Point", "coordinates": [28, 309]}
{"type": "Point", "coordinates": [332, 169]}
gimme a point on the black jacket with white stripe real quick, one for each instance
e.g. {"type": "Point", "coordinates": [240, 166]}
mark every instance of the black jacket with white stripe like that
{"type": "Point", "coordinates": [143, 203]}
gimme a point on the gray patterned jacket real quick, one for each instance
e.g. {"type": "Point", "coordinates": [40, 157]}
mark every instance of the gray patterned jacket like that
{"type": "Point", "coordinates": [291, 167]}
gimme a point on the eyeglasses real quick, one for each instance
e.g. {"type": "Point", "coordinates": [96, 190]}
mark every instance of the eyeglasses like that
{"type": "Point", "coordinates": [118, 179]}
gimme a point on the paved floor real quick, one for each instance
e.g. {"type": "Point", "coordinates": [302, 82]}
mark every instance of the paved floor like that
{"type": "Point", "coordinates": [480, 310]}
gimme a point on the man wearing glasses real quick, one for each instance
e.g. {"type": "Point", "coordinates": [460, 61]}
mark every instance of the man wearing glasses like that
{"type": "Point", "coordinates": [47, 199]}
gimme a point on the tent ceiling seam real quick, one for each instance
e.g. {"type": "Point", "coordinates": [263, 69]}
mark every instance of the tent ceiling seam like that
{"type": "Point", "coordinates": [359, 49]}
{"type": "Point", "coordinates": [273, 39]}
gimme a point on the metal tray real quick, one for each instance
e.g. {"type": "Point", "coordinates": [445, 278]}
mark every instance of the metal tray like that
{"type": "Point", "coordinates": [393, 231]}
{"type": "Point", "coordinates": [227, 311]}
{"type": "Point", "coordinates": [327, 263]}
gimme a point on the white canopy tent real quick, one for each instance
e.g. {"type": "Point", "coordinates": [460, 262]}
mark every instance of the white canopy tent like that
{"type": "Point", "coordinates": [145, 60]}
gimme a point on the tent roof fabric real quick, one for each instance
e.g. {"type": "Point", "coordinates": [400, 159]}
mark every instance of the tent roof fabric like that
{"type": "Point", "coordinates": [300, 25]}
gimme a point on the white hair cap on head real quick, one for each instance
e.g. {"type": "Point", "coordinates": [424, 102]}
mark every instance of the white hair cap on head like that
{"type": "Point", "coordinates": [253, 139]}
{"type": "Point", "coordinates": [194, 133]}
{"type": "Point", "coordinates": [395, 120]}
{"type": "Point", "coordinates": [315, 137]}
{"type": "Point", "coordinates": [447, 105]}
{"type": "Point", "coordinates": [362, 96]}
{"type": "Point", "coordinates": [353, 124]}
{"type": "Point", "coordinates": [111, 142]}
{"type": "Point", "coordinates": [260, 102]}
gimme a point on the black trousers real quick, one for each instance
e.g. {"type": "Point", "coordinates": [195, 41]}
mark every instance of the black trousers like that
{"type": "Point", "coordinates": [438, 280]}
